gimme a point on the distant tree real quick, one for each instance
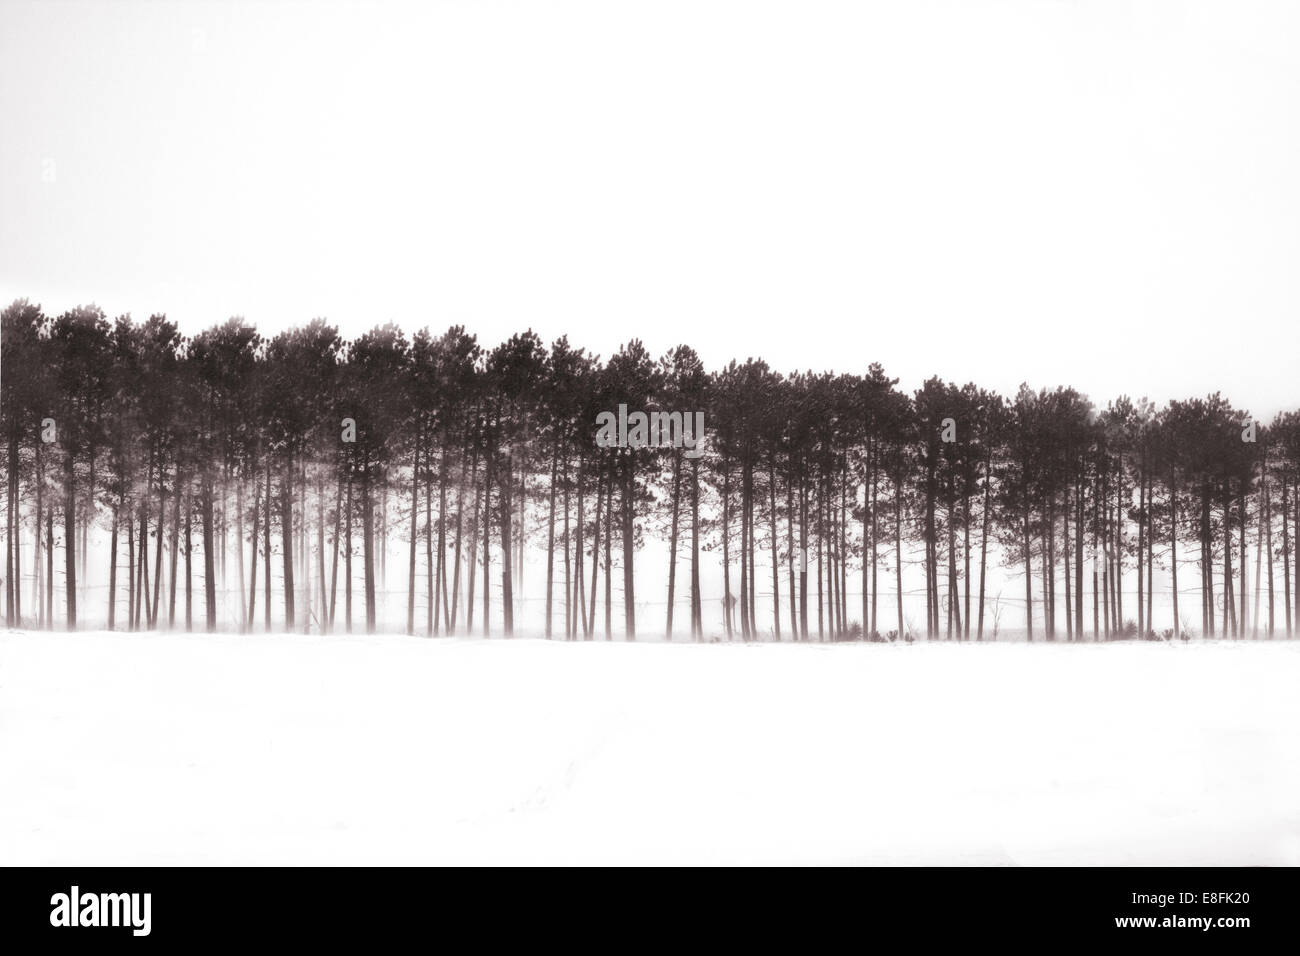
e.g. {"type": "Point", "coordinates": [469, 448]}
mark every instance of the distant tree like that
{"type": "Point", "coordinates": [79, 345]}
{"type": "Point", "coordinates": [305, 443]}
{"type": "Point", "coordinates": [378, 361]}
{"type": "Point", "coordinates": [24, 394]}
{"type": "Point", "coordinates": [515, 372]}
{"type": "Point", "coordinates": [633, 378]}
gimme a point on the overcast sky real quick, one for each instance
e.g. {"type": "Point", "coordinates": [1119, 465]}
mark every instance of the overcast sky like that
{"type": "Point", "coordinates": [1097, 194]}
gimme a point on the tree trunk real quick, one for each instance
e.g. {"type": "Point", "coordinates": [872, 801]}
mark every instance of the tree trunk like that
{"type": "Point", "coordinates": [898, 554]}
{"type": "Point", "coordinates": [1268, 549]}
{"type": "Point", "coordinates": [1118, 576]}
{"type": "Point", "coordinates": [286, 539]}
{"type": "Point", "coordinates": [131, 570]}
{"type": "Point", "coordinates": [441, 578]}
{"type": "Point", "coordinates": [189, 557]}
{"type": "Point", "coordinates": [550, 549]}
{"type": "Point", "coordinates": [820, 511]}
{"type": "Point", "coordinates": [595, 553]}
{"type": "Point", "coordinates": [460, 501]}
{"type": "Point", "coordinates": [609, 565]}
{"type": "Point", "coordinates": [579, 555]}
{"type": "Point", "coordinates": [867, 511]}
{"type": "Point", "coordinates": [209, 555]}
{"type": "Point", "coordinates": [487, 539]}
{"type": "Point", "coordinates": [1106, 560]}
{"type": "Point", "coordinates": [1173, 543]}
{"type": "Point", "coordinates": [1286, 557]}
{"type": "Point", "coordinates": [744, 552]}
{"type": "Point", "coordinates": [569, 629]}
{"type": "Point", "coordinates": [252, 576]}
{"type": "Point", "coordinates": [1207, 567]}
{"type": "Point", "coordinates": [803, 555]}
{"type": "Point", "coordinates": [1263, 535]}
{"type": "Point", "coordinates": [1244, 614]}
{"type": "Point", "coordinates": [69, 539]}
{"type": "Point", "coordinates": [1049, 573]}
{"type": "Point", "coordinates": [1029, 574]}
{"type": "Point", "coordinates": [965, 517]}
{"type": "Point", "coordinates": [675, 502]}
{"type": "Point", "coordinates": [415, 534]}
{"type": "Point", "coordinates": [697, 603]}
{"type": "Point", "coordinates": [112, 568]}
{"type": "Point", "coordinates": [776, 552]}
{"type": "Point", "coordinates": [726, 550]}
{"type": "Point", "coordinates": [158, 549]}
{"type": "Point", "coordinates": [790, 547]}
{"type": "Point", "coordinates": [1142, 511]}
{"type": "Point", "coordinates": [1065, 552]}
{"type": "Point", "coordinates": [984, 544]}
{"type": "Point", "coordinates": [1079, 513]}
{"type": "Point", "coordinates": [142, 567]}
{"type": "Point", "coordinates": [11, 523]}
{"type": "Point", "coordinates": [49, 566]}
{"type": "Point", "coordinates": [954, 609]}
{"type": "Point", "coordinates": [334, 556]}
{"type": "Point", "coordinates": [1229, 586]}
{"type": "Point", "coordinates": [473, 551]}
{"type": "Point", "coordinates": [629, 581]}
{"type": "Point", "coordinates": [1096, 595]}
{"type": "Point", "coordinates": [507, 551]}
{"type": "Point", "coordinates": [175, 546]}
{"type": "Point", "coordinates": [39, 581]}
{"type": "Point", "coordinates": [239, 545]}
{"type": "Point", "coordinates": [842, 518]}
{"type": "Point", "coordinates": [367, 547]}
{"type": "Point", "coordinates": [1151, 552]}
{"type": "Point", "coordinates": [432, 576]}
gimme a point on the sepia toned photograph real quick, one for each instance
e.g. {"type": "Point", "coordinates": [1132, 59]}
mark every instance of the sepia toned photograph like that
{"type": "Point", "coordinates": [522, 434]}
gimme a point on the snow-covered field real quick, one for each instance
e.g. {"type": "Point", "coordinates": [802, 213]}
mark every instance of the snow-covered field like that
{"type": "Point", "coordinates": [172, 749]}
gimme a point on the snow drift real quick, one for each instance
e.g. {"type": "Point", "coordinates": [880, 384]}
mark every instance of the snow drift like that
{"type": "Point", "coordinates": [172, 749]}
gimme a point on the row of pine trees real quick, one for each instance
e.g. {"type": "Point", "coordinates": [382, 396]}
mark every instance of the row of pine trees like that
{"type": "Point", "coordinates": [209, 461]}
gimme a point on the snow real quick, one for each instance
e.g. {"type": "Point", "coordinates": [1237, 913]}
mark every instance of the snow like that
{"type": "Point", "coordinates": [128, 749]}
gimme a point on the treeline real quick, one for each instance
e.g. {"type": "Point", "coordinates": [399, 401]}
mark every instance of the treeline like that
{"type": "Point", "coordinates": [209, 460]}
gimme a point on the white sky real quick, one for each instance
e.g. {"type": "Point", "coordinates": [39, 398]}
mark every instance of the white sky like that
{"type": "Point", "coordinates": [1098, 194]}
